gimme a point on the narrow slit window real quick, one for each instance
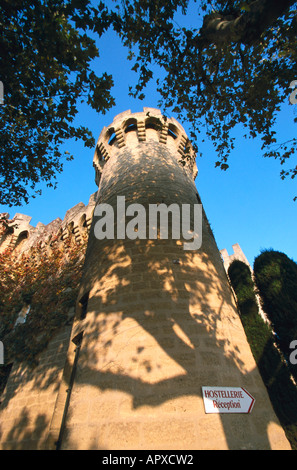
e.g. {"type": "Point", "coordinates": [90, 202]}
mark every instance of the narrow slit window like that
{"type": "Point", "coordinates": [131, 128]}
{"type": "Point", "coordinates": [78, 339]}
{"type": "Point", "coordinates": [112, 137]}
{"type": "Point", "coordinates": [172, 134]}
{"type": "Point", "coordinates": [83, 304]}
{"type": "Point", "coordinates": [4, 376]}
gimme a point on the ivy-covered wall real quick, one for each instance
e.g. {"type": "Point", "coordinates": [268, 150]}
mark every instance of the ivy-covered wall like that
{"type": "Point", "coordinates": [40, 272]}
{"type": "Point", "coordinates": [43, 283]}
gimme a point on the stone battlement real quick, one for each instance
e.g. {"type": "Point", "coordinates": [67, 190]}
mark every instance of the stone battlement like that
{"type": "Point", "coordinates": [127, 129]}
{"type": "Point", "coordinates": [21, 235]}
{"type": "Point", "coordinates": [152, 326]}
{"type": "Point", "coordinates": [238, 254]}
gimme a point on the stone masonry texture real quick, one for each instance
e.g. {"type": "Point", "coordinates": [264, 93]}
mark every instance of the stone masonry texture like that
{"type": "Point", "coordinates": [153, 324]}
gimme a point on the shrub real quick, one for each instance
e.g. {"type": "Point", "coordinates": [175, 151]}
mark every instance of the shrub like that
{"type": "Point", "coordinates": [276, 281]}
{"type": "Point", "coordinates": [273, 368]}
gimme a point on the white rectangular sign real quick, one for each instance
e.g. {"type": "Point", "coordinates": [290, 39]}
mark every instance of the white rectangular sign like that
{"type": "Point", "coordinates": [227, 400]}
{"type": "Point", "coordinates": [1, 353]}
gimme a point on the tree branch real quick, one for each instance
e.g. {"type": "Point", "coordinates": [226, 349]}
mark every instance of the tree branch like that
{"type": "Point", "coordinates": [244, 27]}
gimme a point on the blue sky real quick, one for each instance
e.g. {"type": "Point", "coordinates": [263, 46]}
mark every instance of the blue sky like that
{"type": "Point", "coordinates": [247, 204]}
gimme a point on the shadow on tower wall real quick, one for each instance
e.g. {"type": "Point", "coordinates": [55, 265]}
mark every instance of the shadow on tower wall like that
{"type": "Point", "coordinates": [161, 322]}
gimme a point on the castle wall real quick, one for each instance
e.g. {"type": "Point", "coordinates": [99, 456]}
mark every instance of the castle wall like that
{"type": "Point", "coordinates": [154, 322]}
{"type": "Point", "coordinates": [22, 236]}
{"type": "Point", "coordinates": [239, 255]}
{"type": "Point", "coordinates": [29, 400]}
{"type": "Point", "coordinates": [161, 322]}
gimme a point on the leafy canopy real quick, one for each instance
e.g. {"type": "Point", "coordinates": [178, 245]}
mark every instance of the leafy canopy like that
{"type": "Point", "coordinates": [46, 71]}
{"type": "Point", "coordinates": [276, 280]}
{"type": "Point", "coordinates": [276, 373]}
{"type": "Point", "coordinates": [233, 66]}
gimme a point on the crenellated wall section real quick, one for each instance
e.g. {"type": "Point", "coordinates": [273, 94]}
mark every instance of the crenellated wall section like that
{"type": "Point", "coordinates": [28, 402]}
{"type": "Point", "coordinates": [128, 129]}
{"type": "Point", "coordinates": [154, 323]}
{"type": "Point", "coordinates": [21, 236]}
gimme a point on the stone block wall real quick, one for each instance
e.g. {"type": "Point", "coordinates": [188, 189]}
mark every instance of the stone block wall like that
{"type": "Point", "coordinates": [161, 322]}
{"type": "Point", "coordinates": [22, 236]}
{"type": "Point", "coordinates": [153, 324]}
{"type": "Point", "coordinates": [29, 400]}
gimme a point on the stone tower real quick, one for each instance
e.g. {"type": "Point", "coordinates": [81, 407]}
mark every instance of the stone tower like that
{"type": "Point", "coordinates": [155, 322]}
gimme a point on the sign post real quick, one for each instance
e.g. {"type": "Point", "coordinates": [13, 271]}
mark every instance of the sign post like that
{"type": "Point", "coordinates": [227, 400]}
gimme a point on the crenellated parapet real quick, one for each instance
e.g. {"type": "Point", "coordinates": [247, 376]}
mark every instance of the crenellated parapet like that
{"type": "Point", "coordinates": [238, 254]}
{"type": "Point", "coordinates": [20, 236]}
{"type": "Point", "coordinates": [129, 129]}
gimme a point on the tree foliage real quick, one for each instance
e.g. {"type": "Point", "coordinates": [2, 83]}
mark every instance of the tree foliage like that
{"type": "Point", "coordinates": [274, 370]}
{"type": "Point", "coordinates": [234, 68]}
{"type": "Point", "coordinates": [242, 283]}
{"type": "Point", "coordinates": [276, 281]}
{"type": "Point", "coordinates": [259, 334]}
{"type": "Point", "coordinates": [233, 65]}
{"type": "Point", "coordinates": [45, 66]}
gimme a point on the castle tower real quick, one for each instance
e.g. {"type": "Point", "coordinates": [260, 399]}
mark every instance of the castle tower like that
{"type": "Point", "coordinates": [155, 322]}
